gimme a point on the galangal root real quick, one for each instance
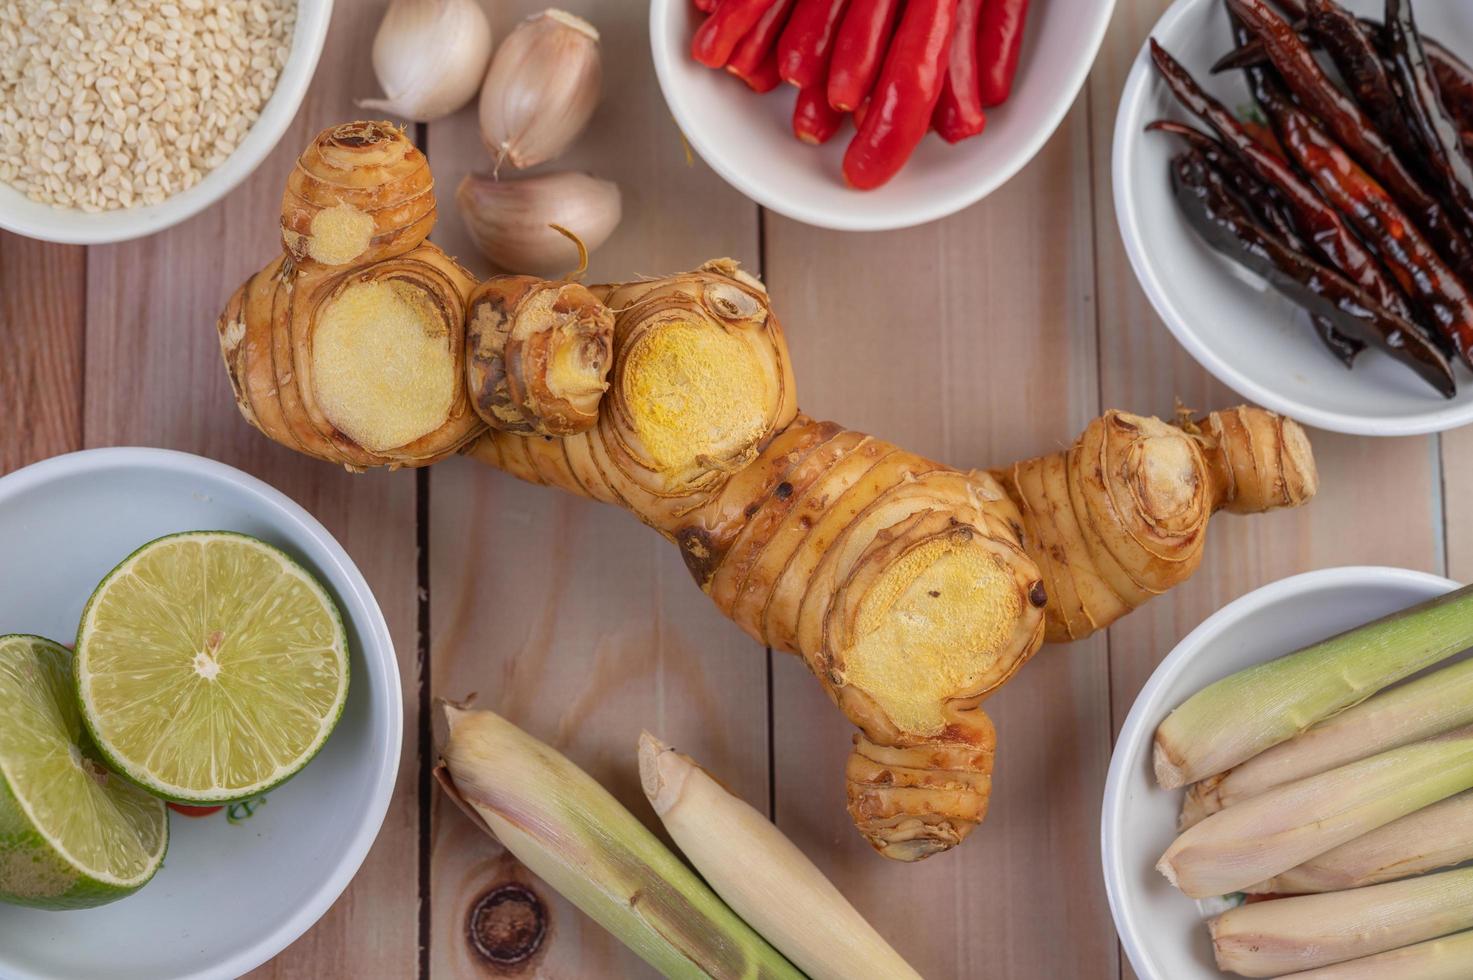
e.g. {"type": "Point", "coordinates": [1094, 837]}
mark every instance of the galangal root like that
{"type": "Point", "coordinates": [910, 589]}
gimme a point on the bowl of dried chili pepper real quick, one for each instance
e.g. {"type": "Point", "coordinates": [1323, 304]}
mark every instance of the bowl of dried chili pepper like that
{"type": "Point", "coordinates": [862, 115]}
{"type": "Point", "coordinates": [1294, 185]}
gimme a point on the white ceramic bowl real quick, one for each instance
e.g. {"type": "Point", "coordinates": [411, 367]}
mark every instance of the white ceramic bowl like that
{"type": "Point", "coordinates": [1250, 337]}
{"type": "Point", "coordinates": [20, 214]}
{"type": "Point", "coordinates": [1162, 930]}
{"type": "Point", "coordinates": [230, 895]}
{"type": "Point", "coordinates": [748, 139]}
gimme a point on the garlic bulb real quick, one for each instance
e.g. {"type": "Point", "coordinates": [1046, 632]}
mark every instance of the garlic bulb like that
{"type": "Point", "coordinates": [511, 220]}
{"type": "Point", "coordinates": [542, 88]}
{"type": "Point", "coordinates": [429, 56]}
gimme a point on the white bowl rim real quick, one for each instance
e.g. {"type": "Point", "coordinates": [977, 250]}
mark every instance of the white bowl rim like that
{"type": "Point", "coordinates": [377, 650]}
{"type": "Point", "coordinates": [311, 33]}
{"type": "Point", "coordinates": [1127, 217]}
{"type": "Point", "coordinates": [859, 219]}
{"type": "Point", "coordinates": [1137, 726]}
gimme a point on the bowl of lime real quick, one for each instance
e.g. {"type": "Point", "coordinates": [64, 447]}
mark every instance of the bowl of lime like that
{"type": "Point", "coordinates": [200, 718]}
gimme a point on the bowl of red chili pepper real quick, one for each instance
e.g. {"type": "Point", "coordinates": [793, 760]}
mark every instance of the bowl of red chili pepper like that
{"type": "Point", "coordinates": [1294, 185]}
{"type": "Point", "coordinates": [871, 114]}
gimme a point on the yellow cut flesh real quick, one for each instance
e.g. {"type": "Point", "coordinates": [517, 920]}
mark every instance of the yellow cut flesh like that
{"type": "Point", "coordinates": [339, 234]}
{"type": "Point", "coordinates": [382, 368]}
{"type": "Point", "coordinates": [211, 666]}
{"type": "Point", "coordinates": [98, 823]}
{"type": "Point", "coordinates": [693, 391]}
{"type": "Point", "coordinates": [929, 629]}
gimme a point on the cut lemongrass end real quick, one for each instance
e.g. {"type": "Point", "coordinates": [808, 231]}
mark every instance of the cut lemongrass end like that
{"type": "Point", "coordinates": [762, 874]}
{"type": "Point", "coordinates": [1447, 958]}
{"type": "Point", "coordinates": [1439, 836]}
{"type": "Point", "coordinates": [1270, 939]}
{"type": "Point", "coordinates": [1245, 713]}
{"type": "Point", "coordinates": [574, 835]}
{"type": "Point", "coordinates": [1427, 706]}
{"type": "Point", "coordinates": [1255, 840]}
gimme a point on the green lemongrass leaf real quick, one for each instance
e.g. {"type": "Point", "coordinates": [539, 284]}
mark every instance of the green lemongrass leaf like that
{"type": "Point", "coordinates": [1238, 717]}
{"type": "Point", "coordinates": [1270, 939]}
{"type": "Point", "coordinates": [577, 837]}
{"type": "Point", "coordinates": [1237, 848]}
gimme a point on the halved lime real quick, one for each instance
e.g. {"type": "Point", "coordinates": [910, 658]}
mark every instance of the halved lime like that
{"type": "Point", "coordinates": [72, 835]}
{"type": "Point", "coordinates": [211, 667]}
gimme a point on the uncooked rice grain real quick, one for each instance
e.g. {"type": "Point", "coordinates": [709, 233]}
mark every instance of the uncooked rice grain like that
{"type": "Point", "coordinates": [111, 103]}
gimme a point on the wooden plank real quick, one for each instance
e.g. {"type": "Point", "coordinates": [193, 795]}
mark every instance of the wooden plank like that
{"type": "Point", "coordinates": [41, 310]}
{"type": "Point", "coordinates": [154, 378]}
{"type": "Point", "coordinates": [570, 618]}
{"type": "Point", "coordinates": [970, 340]}
{"type": "Point", "coordinates": [1377, 495]}
{"type": "Point", "coordinates": [1456, 500]}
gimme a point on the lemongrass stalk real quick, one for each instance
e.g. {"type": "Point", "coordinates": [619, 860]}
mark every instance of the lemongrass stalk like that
{"type": "Point", "coordinates": [1439, 836]}
{"type": "Point", "coordinates": [1238, 717]}
{"type": "Point", "coordinates": [1431, 705]}
{"type": "Point", "coordinates": [1269, 939]}
{"type": "Point", "coordinates": [574, 835]}
{"type": "Point", "coordinates": [1448, 958]}
{"type": "Point", "coordinates": [1267, 835]}
{"type": "Point", "coordinates": [762, 874]}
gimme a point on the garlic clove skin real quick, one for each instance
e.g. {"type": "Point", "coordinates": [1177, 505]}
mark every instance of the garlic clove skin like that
{"type": "Point", "coordinates": [542, 88]}
{"type": "Point", "coordinates": [430, 57]}
{"type": "Point", "coordinates": [509, 219]}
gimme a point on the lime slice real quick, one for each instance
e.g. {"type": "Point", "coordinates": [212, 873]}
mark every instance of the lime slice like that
{"type": "Point", "coordinates": [72, 835]}
{"type": "Point", "coordinates": [211, 667]}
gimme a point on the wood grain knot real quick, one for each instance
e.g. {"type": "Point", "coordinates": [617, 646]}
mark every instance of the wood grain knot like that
{"type": "Point", "coordinates": [506, 925]}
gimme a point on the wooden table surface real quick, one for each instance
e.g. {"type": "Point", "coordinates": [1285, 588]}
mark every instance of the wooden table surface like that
{"type": "Point", "coordinates": [993, 335]}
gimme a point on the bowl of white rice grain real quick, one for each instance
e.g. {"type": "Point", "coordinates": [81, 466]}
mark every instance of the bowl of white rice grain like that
{"type": "Point", "coordinates": [120, 118]}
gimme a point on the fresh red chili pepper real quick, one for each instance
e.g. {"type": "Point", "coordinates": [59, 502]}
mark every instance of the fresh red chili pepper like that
{"type": "Point", "coordinates": [705, 6]}
{"type": "Point", "coordinates": [859, 50]}
{"type": "Point", "coordinates": [719, 35]}
{"type": "Point", "coordinates": [905, 96]}
{"type": "Point", "coordinates": [805, 45]}
{"type": "Point", "coordinates": [1351, 128]}
{"type": "Point", "coordinates": [1222, 222]}
{"type": "Point", "coordinates": [814, 120]}
{"type": "Point", "coordinates": [1315, 221]}
{"type": "Point", "coordinates": [194, 811]}
{"type": "Point", "coordinates": [860, 111]}
{"type": "Point", "coordinates": [760, 43]}
{"type": "Point", "coordinates": [959, 113]}
{"type": "Point", "coordinates": [999, 42]}
{"type": "Point", "coordinates": [762, 79]}
{"type": "Point", "coordinates": [1430, 120]}
{"type": "Point", "coordinates": [1411, 259]}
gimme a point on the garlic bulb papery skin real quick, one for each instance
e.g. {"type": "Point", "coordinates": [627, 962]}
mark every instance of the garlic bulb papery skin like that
{"type": "Point", "coordinates": [511, 220]}
{"type": "Point", "coordinates": [429, 56]}
{"type": "Point", "coordinates": [541, 90]}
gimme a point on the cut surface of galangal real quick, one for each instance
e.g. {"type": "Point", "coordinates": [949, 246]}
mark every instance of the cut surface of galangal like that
{"type": "Point", "coordinates": [72, 834]}
{"type": "Point", "coordinates": [211, 667]}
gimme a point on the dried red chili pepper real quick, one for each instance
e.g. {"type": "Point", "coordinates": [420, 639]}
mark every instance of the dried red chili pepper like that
{"type": "Point", "coordinates": [1438, 132]}
{"type": "Point", "coordinates": [1223, 223]}
{"type": "Point", "coordinates": [859, 50]}
{"type": "Point", "coordinates": [905, 96]}
{"type": "Point", "coordinates": [999, 44]}
{"type": "Point", "coordinates": [805, 45]}
{"type": "Point", "coordinates": [1351, 128]}
{"type": "Point", "coordinates": [1423, 275]}
{"type": "Point", "coordinates": [719, 34]}
{"type": "Point", "coordinates": [1265, 208]}
{"type": "Point", "coordinates": [959, 114]}
{"type": "Point", "coordinates": [1315, 221]}
{"type": "Point", "coordinates": [814, 120]}
{"type": "Point", "coordinates": [759, 44]}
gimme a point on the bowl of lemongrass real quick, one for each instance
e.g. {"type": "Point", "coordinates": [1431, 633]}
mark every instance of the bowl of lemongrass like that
{"type": "Point", "coordinates": [1292, 791]}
